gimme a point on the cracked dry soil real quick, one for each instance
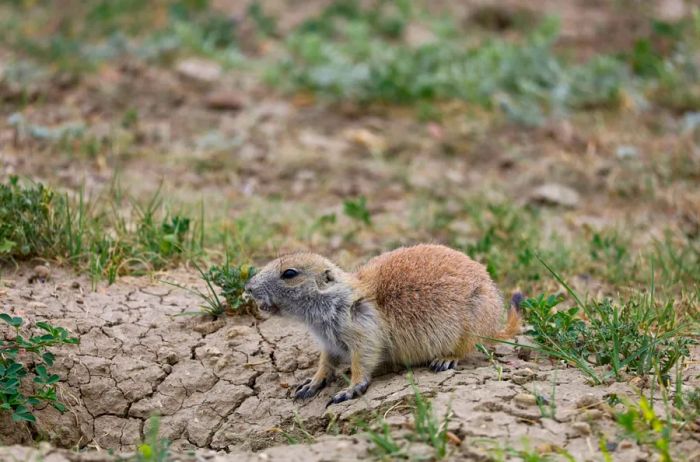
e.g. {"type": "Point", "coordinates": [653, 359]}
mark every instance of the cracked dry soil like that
{"type": "Point", "coordinates": [223, 386]}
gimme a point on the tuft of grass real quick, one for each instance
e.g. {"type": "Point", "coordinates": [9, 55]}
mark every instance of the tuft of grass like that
{"type": "Point", "coordinates": [228, 295]}
{"type": "Point", "coordinates": [641, 422]}
{"type": "Point", "coordinates": [107, 237]}
{"type": "Point", "coordinates": [638, 336]}
{"type": "Point", "coordinates": [28, 219]}
{"type": "Point", "coordinates": [427, 428]}
{"type": "Point", "coordinates": [231, 281]}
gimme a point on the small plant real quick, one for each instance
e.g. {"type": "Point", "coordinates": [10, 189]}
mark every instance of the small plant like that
{"type": "Point", "coordinates": [27, 220]}
{"type": "Point", "coordinates": [385, 445]}
{"type": "Point", "coordinates": [426, 428]}
{"type": "Point", "coordinates": [641, 422]}
{"type": "Point", "coordinates": [153, 448]}
{"type": "Point", "coordinates": [357, 210]}
{"type": "Point", "coordinates": [224, 289]}
{"type": "Point", "coordinates": [429, 428]}
{"type": "Point", "coordinates": [638, 337]}
{"type": "Point", "coordinates": [15, 353]}
{"type": "Point", "coordinates": [231, 280]}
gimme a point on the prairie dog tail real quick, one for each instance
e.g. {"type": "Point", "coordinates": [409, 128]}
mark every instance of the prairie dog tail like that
{"type": "Point", "coordinates": [514, 320]}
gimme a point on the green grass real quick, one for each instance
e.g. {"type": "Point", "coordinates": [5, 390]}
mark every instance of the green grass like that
{"type": "Point", "coordinates": [87, 36]}
{"type": "Point", "coordinates": [224, 286]}
{"type": "Point", "coordinates": [107, 237]}
{"type": "Point", "coordinates": [351, 52]}
{"type": "Point", "coordinates": [638, 336]}
{"type": "Point", "coordinates": [427, 428]}
{"type": "Point", "coordinates": [640, 421]}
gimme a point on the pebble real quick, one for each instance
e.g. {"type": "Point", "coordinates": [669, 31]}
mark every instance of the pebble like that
{"type": "Point", "coordinates": [586, 401]}
{"type": "Point", "coordinates": [200, 70]}
{"type": "Point", "coordinates": [625, 444]}
{"type": "Point", "coordinates": [525, 399]}
{"type": "Point", "coordinates": [582, 428]}
{"type": "Point", "coordinates": [224, 101]}
{"type": "Point", "coordinates": [42, 271]}
{"type": "Point", "coordinates": [591, 414]}
{"type": "Point", "coordinates": [555, 194]}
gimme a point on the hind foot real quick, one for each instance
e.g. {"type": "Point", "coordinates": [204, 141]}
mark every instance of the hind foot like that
{"type": "Point", "coordinates": [442, 364]}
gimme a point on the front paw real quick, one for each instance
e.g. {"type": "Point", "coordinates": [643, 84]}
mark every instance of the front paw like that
{"type": "Point", "coordinates": [352, 392]}
{"type": "Point", "coordinates": [309, 388]}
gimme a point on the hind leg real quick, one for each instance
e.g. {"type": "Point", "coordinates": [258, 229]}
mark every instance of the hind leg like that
{"type": "Point", "coordinates": [466, 345]}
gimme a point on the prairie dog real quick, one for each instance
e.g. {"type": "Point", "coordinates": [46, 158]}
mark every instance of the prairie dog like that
{"type": "Point", "coordinates": [426, 304]}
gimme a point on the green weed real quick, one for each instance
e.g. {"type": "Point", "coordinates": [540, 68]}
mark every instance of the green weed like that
{"type": "Point", "coordinates": [153, 448]}
{"type": "Point", "coordinates": [429, 428]}
{"type": "Point", "coordinates": [641, 422]}
{"type": "Point", "coordinates": [350, 52]}
{"type": "Point", "coordinates": [231, 281]}
{"type": "Point", "coordinates": [107, 237]}
{"type": "Point", "coordinates": [107, 29]}
{"type": "Point", "coordinates": [28, 220]}
{"type": "Point", "coordinates": [638, 337]}
{"type": "Point", "coordinates": [15, 351]}
{"type": "Point", "coordinates": [357, 210]}
{"type": "Point", "coordinates": [426, 428]}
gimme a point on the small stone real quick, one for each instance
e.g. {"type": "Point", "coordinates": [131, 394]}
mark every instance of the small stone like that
{"type": "Point", "coordinates": [611, 446]}
{"type": "Point", "coordinates": [42, 271]}
{"type": "Point", "coordinates": [525, 399]}
{"type": "Point", "coordinates": [36, 305]}
{"type": "Point", "coordinates": [79, 301]}
{"type": "Point", "coordinates": [582, 428]}
{"type": "Point", "coordinates": [625, 444]}
{"type": "Point", "coordinates": [524, 353]}
{"type": "Point", "coordinates": [555, 194]}
{"type": "Point", "coordinates": [75, 285]}
{"type": "Point", "coordinates": [237, 331]}
{"type": "Point", "coordinates": [167, 368]}
{"type": "Point", "coordinates": [199, 70]}
{"type": "Point", "coordinates": [586, 401]}
{"type": "Point", "coordinates": [591, 414]}
{"type": "Point", "coordinates": [224, 101]}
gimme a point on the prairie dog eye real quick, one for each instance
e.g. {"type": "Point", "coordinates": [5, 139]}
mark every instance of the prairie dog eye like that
{"type": "Point", "coordinates": [289, 273]}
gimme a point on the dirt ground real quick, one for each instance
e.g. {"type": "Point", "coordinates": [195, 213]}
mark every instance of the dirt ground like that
{"type": "Point", "coordinates": [223, 386]}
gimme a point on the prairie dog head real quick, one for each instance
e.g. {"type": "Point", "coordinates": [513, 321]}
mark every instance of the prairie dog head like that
{"type": "Point", "coordinates": [305, 286]}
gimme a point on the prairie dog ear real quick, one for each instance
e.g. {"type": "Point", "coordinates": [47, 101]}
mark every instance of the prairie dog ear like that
{"type": "Point", "coordinates": [325, 279]}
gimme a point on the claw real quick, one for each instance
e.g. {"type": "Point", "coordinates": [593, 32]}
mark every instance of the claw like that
{"type": "Point", "coordinates": [301, 385]}
{"type": "Point", "coordinates": [349, 393]}
{"type": "Point", "coordinates": [441, 365]}
{"type": "Point", "coordinates": [308, 389]}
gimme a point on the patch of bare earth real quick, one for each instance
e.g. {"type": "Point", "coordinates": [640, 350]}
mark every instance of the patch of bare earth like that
{"type": "Point", "coordinates": [222, 387]}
